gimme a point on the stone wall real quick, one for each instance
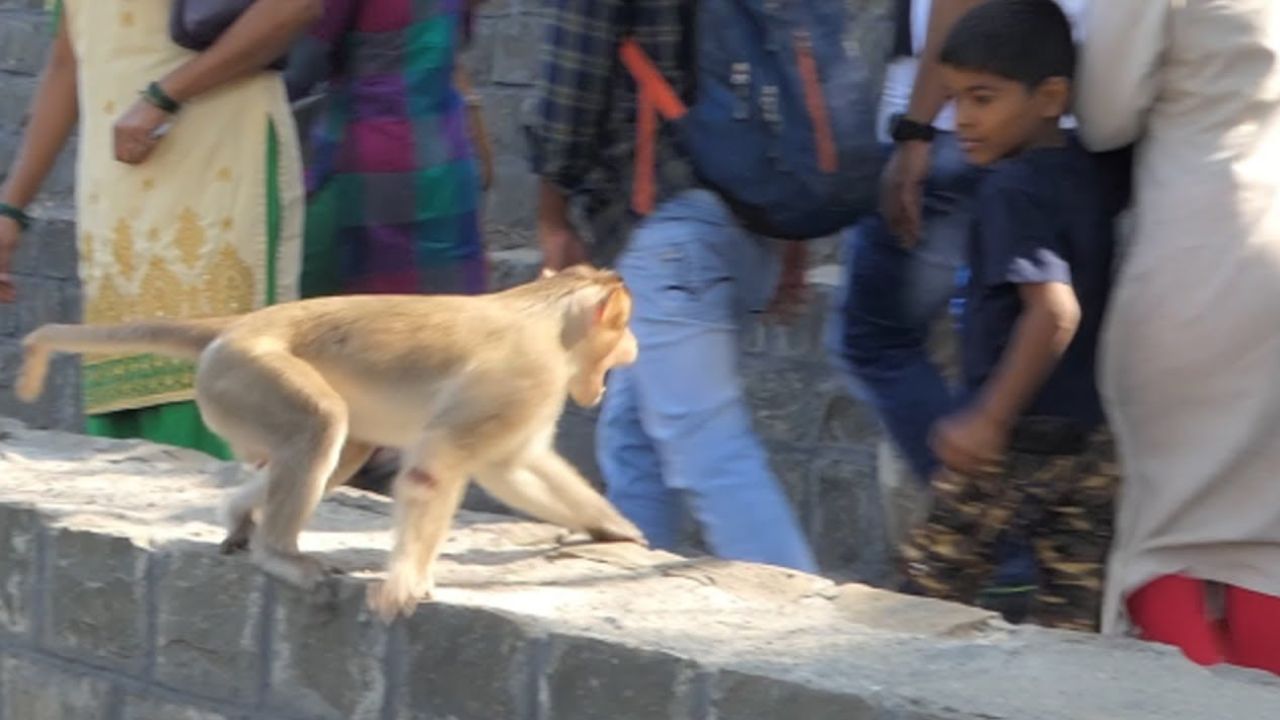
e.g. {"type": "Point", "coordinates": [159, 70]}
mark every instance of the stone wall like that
{"type": "Point", "coordinates": [823, 445]}
{"type": "Point", "coordinates": [115, 605]}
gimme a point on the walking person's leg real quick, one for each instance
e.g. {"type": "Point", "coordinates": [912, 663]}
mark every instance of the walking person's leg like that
{"type": "Point", "coordinates": [694, 274]}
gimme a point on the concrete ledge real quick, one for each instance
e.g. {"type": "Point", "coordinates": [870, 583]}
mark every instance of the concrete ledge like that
{"type": "Point", "coordinates": [114, 603]}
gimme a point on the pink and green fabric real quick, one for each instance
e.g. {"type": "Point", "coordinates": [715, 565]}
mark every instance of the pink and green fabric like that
{"type": "Point", "coordinates": [393, 187]}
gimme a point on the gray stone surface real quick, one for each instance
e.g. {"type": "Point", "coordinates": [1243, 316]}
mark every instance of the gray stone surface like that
{"type": "Point", "coordinates": [464, 662]}
{"type": "Point", "coordinates": [590, 679]}
{"type": "Point", "coordinates": [19, 530]}
{"type": "Point", "coordinates": [740, 696]}
{"type": "Point", "coordinates": [313, 630]}
{"type": "Point", "coordinates": [96, 598]}
{"type": "Point", "coordinates": [144, 708]}
{"type": "Point", "coordinates": [37, 692]}
{"type": "Point", "coordinates": [208, 648]}
{"type": "Point", "coordinates": [576, 630]}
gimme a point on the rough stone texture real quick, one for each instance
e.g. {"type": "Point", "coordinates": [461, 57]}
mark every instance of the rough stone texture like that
{"type": "Point", "coordinates": [141, 708]}
{"type": "Point", "coordinates": [96, 598]}
{"type": "Point", "coordinates": [590, 679]}
{"type": "Point", "coordinates": [311, 630]}
{"type": "Point", "coordinates": [525, 626]}
{"type": "Point", "coordinates": [37, 692]}
{"type": "Point", "coordinates": [465, 663]}
{"type": "Point", "coordinates": [18, 538]}
{"type": "Point", "coordinates": [208, 648]}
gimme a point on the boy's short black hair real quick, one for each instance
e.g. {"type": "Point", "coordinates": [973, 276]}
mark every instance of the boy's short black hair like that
{"type": "Point", "coordinates": [1028, 41]}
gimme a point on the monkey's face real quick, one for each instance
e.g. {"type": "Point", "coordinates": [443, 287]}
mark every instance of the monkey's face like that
{"type": "Point", "coordinates": [609, 343]}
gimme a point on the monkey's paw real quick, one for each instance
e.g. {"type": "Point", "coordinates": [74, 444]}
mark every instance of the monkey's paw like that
{"type": "Point", "coordinates": [618, 529]}
{"type": "Point", "coordinates": [391, 598]}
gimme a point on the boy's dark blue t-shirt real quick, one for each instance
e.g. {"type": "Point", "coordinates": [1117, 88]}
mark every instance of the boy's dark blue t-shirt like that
{"type": "Point", "coordinates": [1039, 217]}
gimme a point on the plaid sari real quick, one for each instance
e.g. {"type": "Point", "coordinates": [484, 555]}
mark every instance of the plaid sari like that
{"type": "Point", "coordinates": [393, 187]}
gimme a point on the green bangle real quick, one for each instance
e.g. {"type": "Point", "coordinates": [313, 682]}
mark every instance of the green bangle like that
{"type": "Point", "coordinates": [156, 95]}
{"type": "Point", "coordinates": [17, 214]}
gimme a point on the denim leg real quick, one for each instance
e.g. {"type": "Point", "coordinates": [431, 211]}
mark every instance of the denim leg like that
{"type": "Point", "coordinates": [889, 299]}
{"type": "Point", "coordinates": [630, 464]}
{"type": "Point", "coordinates": [694, 274]}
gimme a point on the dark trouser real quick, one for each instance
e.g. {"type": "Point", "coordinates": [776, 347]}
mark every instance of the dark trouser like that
{"type": "Point", "coordinates": [1062, 503]}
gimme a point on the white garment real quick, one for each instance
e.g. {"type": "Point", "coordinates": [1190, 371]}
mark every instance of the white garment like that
{"type": "Point", "coordinates": [1190, 359]}
{"type": "Point", "coordinates": [900, 75]}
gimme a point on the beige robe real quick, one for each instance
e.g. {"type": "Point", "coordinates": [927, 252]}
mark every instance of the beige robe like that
{"type": "Point", "coordinates": [1190, 359]}
{"type": "Point", "coordinates": [184, 234]}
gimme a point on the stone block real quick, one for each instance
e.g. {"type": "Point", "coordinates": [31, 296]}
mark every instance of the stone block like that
{"type": "Point", "coordinates": [466, 663]}
{"type": "Point", "coordinates": [311, 629]}
{"type": "Point", "coordinates": [24, 42]}
{"type": "Point", "coordinates": [742, 696]}
{"type": "Point", "coordinates": [137, 707]}
{"type": "Point", "coordinates": [19, 535]}
{"type": "Point", "coordinates": [576, 441]}
{"type": "Point", "coordinates": [97, 599]}
{"type": "Point", "coordinates": [506, 113]}
{"type": "Point", "coordinates": [36, 692]}
{"type": "Point", "coordinates": [847, 422]}
{"type": "Point", "coordinates": [40, 301]}
{"type": "Point", "coordinates": [16, 92]}
{"type": "Point", "coordinates": [591, 679]}
{"type": "Point", "coordinates": [892, 612]}
{"type": "Point", "coordinates": [48, 250]}
{"type": "Point", "coordinates": [59, 407]}
{"type": "Point", "coordinates": [203, 646]}
{"type": "Point", "coordinates": [478, 57]}
{"type": "Point", "coordinates": [517, 45]}
{"type": "Point", "coordinates": [848, 531]}
{"type": "Point", "coordinates": [513, 199]}
{"type": "Point", "coordinates": [781, 400]}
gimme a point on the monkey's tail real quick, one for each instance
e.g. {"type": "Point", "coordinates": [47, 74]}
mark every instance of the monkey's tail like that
{"type": "Point", "coordinates": [176, 338]}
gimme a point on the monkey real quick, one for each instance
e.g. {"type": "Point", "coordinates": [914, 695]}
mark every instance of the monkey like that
{"type": "Point", "coordinates": [466, 388]}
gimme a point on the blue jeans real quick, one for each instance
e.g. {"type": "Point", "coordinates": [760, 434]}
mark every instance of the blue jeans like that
{"type": "Point", "coordinates": [675, 427]}
{"type": "Point", "coordinates": [883, 312]}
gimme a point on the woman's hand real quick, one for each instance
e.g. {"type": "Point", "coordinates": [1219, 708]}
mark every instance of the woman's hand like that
{"type": "Point", "coordinates": [10, 232]}
{"type": "Point", "coordinates": [138, 132]}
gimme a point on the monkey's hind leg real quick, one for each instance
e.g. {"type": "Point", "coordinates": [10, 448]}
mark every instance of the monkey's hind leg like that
{"type": "Point", "coordinates": [276, 401]}
{"type": "Point", "coordinates": [238, 512]}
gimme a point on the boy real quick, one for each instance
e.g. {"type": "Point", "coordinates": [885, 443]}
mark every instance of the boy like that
{"type": "Point", "coordinates": [1030, 451]}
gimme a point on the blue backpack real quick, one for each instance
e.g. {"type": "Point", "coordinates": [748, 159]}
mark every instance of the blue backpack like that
{"type": "Point", "coordinates": [782, 124]}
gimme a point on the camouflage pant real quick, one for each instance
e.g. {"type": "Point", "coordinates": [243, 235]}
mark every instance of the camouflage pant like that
{"type": "Point", "coordinates": [1062, 503]}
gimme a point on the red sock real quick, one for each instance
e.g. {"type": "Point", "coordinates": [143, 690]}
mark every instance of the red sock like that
{"type": "Point", "coordinates": [1253, 626]}
{"type": "Point", "coordinates": [1171, 610]}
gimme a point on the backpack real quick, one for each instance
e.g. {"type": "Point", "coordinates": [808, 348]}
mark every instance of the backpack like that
{"type": "Point", "coordinates": [782, 120]}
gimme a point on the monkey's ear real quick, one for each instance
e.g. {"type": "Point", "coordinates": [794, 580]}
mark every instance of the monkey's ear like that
{"type": "Point", "coordinates": [614, 310]}
{"type": "Point", "coordinates": [546, 273]}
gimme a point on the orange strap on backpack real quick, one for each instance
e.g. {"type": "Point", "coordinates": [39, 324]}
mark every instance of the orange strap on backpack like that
{"type": "Point", "coordinates": [654, 97]}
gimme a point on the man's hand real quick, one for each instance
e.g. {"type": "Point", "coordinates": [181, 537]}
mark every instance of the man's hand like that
{"type": "Point", "coordinates": [970, 441]}
{"type": "Point", "coordinates": [10, 232]}
{"type": "Point", "coordinates": [561, 247]}
{"type": "Point", "coordinates": [902, 190]}
{"type": "Point", "coordinates": [138, 132]}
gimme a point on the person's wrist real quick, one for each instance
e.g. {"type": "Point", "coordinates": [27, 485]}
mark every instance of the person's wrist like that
{"type": "Point", "coordinates": [905, 130]}
{"type": "Point", "coordinates": [16, 215]}
{"type": "Point", "coordinates": [157, 96]}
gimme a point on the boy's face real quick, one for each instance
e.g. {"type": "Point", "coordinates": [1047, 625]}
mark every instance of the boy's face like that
{"type": "Point", "coordinates": [997, 117]}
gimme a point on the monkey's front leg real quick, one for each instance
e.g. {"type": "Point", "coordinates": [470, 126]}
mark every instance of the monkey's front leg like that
{"type": "Point", "coordinates": [425, 503]}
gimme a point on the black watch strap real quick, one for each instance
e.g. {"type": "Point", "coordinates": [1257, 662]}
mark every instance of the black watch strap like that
{"type": "Point", "coordinates": [904, 129]}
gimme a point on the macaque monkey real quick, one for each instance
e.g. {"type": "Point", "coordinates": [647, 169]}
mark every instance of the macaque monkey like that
{"type": "Point", "coordinates": [465, 387]}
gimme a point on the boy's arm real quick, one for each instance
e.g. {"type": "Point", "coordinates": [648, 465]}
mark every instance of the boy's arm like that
{"type": "Point", "coordinates": [901, 196]}
{"type": "Point", "coordinates": [978, 435]}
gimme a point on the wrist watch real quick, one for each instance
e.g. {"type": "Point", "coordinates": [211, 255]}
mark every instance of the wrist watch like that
{"type": "Point", "coordinates": [904, 129]}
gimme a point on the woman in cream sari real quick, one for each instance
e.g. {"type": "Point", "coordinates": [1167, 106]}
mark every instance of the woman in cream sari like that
{"type": "Point", "coordinates": [188, 188]}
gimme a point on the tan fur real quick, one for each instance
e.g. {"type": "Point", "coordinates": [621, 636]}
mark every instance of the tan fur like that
{"type": "Point", "coordinates": [465, 387]}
